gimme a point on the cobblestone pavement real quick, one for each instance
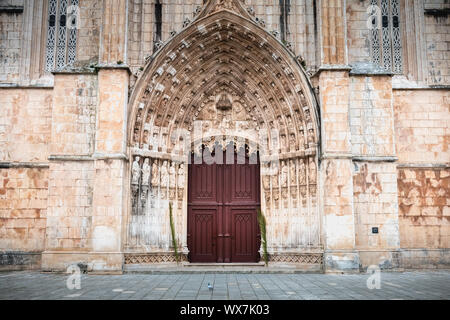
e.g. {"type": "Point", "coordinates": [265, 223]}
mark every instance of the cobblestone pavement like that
{"type": "Point", "coordinates": [407, 286]}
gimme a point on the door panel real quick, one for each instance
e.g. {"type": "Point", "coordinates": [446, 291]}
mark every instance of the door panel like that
{"type": "Point", "coordinates": [202, 236]}
{"type": "Point", "coordinates": [203, 184]}
{"type": "Point", "coordinates": [244, 235]}
{"type": "Point", "coordinates": [222, 223]}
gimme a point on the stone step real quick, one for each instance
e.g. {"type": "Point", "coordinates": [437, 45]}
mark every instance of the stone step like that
{"type": "Point", "coordinates": [195, 268]}
{"type": "Point", "coordinates": [227, 265]}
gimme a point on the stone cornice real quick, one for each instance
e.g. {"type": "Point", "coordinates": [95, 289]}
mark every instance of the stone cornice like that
{"type": "Point", "coordinates": [113, 67]}
{"type": "Point", "coordinates": [70, 158]}
{"type": "Point", "coordinates": [440, 87]}
{"type": "Point", "coordinates": [424, 165]}
{"type": "Point", "coordinates": [11, 9]}
{"type": "Point", "coordinates": [358, 158]}
{"type": "Point", "coordinates": [12, 165]}
{"type": "Point", "coordinates": [20, 86]}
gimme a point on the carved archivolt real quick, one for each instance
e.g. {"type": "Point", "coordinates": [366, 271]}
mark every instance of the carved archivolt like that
{"type": "Point", "coordinates": [223, 54]}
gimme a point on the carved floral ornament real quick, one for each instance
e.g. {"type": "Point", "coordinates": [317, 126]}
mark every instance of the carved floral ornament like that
{"type": "Point", "coordinates": [223, 62]}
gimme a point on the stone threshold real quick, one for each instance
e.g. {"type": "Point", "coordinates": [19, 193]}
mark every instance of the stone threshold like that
{"type": "Point", "coordinates": [254, 264]}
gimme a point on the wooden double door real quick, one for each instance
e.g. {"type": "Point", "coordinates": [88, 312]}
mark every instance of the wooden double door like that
{"type": "Point", "coordinates": [222, 211]}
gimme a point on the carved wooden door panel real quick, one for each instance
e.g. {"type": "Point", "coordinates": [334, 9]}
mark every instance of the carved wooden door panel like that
{"type": "Point", "coordinates": [222, 216]}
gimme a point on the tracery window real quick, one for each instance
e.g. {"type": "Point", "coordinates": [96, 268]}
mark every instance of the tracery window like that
{"type": "Point", "coordinates": [61, 33]}
{"type": "Point", "coordinates": [386, 42]}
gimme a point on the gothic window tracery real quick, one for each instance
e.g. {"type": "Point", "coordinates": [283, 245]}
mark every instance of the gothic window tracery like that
{"type": "Point", "coordinates": [61, 40]}
{"type": "Point", "coordinates": [385, 34]}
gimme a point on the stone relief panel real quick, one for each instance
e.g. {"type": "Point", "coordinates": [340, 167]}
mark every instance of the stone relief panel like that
{"type": "Point", "coordinates": [154, 183]}
{"type": "Point", "coordinates": [289, 192]}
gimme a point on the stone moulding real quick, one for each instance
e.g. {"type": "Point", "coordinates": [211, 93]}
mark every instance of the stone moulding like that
{"type": "Point", "coordinates": [15, 260]}
{"type": "Point", "coordinates": [11, 165]}
{"type": "Point", "coordinates": [297, 258]}
{"type": "Point", "coordinates": [153, 258]}
{"type": "Point", "coordinates": [169, 257]}
{"type": "Point", "coordinates": [11, 9]}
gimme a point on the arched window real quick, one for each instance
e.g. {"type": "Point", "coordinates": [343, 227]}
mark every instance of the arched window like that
{"type": "Point", "coordinates": [61, 41]}
{"type": "Point", "coordinates": [386, 42]}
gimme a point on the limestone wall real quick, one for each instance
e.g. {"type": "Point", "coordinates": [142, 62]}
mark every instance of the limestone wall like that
{"type": "Point", "coordinates": [358, 34]}
{"type": "Point", "coordinates": [25, 116]}
{"type": "Point", "coordinates": [23, 209]}
{"type": "Point", "coordinates": [88, 38]}
{"type": "Point", "coordinates": [437, 44]}
{"type": "Point", "coordinates": [424, 208]}
{"type": "Point", "coordinates": [371, 116]}
{"type": "Point", "coordinates": [25, 124]}
{"type": "Point", "coordinates": [74, 114]}
{"type": "Point", "coordinates": [422, 121]}
{"type": "Point", "coordinates": [10, 46]}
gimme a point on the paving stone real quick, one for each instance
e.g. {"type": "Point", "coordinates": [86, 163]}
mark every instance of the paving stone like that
{"type": "Point", "coordinates": [394, 286]}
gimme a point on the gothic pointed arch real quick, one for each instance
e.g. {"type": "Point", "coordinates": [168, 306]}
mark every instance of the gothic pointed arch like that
{"type": "Point", "coordinates": [225, 75]}
{"type": "Point", "coordinates": [223, 51]}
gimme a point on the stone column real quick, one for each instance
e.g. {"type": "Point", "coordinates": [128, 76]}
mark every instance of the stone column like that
{"type": "Point", "coordinates": [109, 189]}
{"type": "Point", "coordinates": [71, 174]}
{"type": "Point", "coordinates": [113, 49]}
{"type": "Point", "coordinates": [336, 173]}
{"type": "Point", "coordinates": [375, 175]}
{"type": "Point", "coordinates": [110, 161]}
{"type": "Point", "coordinates": [333, 36]}
{"type": "Point", "coordinates": [336, 166]}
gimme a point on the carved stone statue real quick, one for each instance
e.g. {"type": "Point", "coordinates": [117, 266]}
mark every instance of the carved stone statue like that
{"type": "Point", "coordinates": [302, 172]}
{"type": "Point", "coordinates": [292, 142]}
{"type": "Point", "coordinates": [311, 136]}
{"type": "Point", "coordinates": [135, 171]}
{"type": "Point", "coordinates": [172, 174]}
{"type": "Point", "coordinates": [181, 176]}
{"type": "Point", "coordinates": [284, 174]}
{"type": "Point", "coordinates": [164, 175]}
{"type": "Point", "coordinates": [146, 173]}
{"type": "Point", "coordinates": [312, 171]}
{"type": "Point", "coordinates": [293, 175]}
{"type": "Point", "coordinates": [301, 139]}
{"type": "Point", "coordinates": [155, 178]}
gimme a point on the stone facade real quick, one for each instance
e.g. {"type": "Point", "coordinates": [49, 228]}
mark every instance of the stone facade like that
{"type": "Point", "coordinates": [354, 156]}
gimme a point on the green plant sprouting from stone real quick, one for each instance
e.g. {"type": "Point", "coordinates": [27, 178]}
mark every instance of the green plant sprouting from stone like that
{"type": "Point", "coordinates": [172, 229]}
{"type": "Point", "coordinates": [262, 227]}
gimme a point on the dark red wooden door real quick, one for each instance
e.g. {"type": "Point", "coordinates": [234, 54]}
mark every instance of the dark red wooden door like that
{"type": "Point", "coordinates": [222, 216]}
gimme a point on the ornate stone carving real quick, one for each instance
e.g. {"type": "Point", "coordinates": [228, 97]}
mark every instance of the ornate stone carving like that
{"type": "Point", "coordinates": [284, 174]}
{"type": "Point", "coordinates": [164, 175]}
{"type": "Point", "coordinates": [306, 258]}
{"type": "Point", "coordinates": [135, 171]}
{"type": "Point", "coordinates": [266, 181]}
{"type": "Point", "coordinates": [155, 177]}
{"type": "Point", "coordinates": [181, 176]}
{"type": "Point", "coordinates": [152, 258]}
{"type": "Point", "coordinates": [134, 198]}
{"type": "Point", "coordinates": [312, 171]}
{"type": "Point", "coordinates": [275, 183]}
{"type": "Point", "coordinates": [172, 176]}
{"type": "Point", "coordinates": [261, 85]}
{"type": "Point", "coordinates": [225, 4]}
{"type": "Point", "coordinates": [293, 173]}
{"type": "Point", "coordinates": [302, 172]}
{"type": "Point", "coordinates": [146, 172]}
